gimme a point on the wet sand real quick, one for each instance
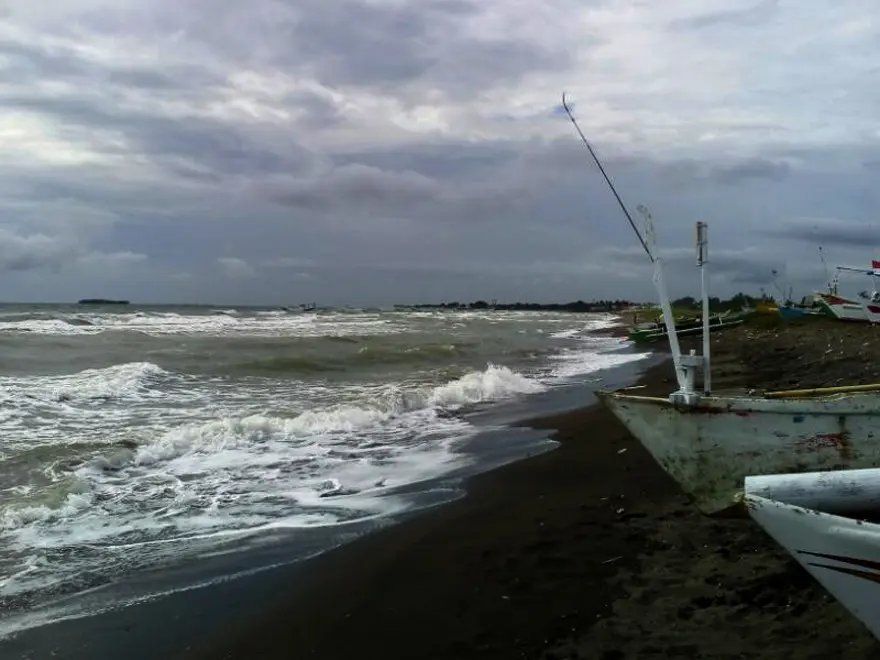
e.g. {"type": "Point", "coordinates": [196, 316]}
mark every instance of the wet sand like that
{"type": "Point", "coordinates": [587, 551]}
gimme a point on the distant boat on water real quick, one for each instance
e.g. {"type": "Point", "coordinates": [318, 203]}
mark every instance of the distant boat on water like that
{"type": "Point", "coordinates": [101, 301]}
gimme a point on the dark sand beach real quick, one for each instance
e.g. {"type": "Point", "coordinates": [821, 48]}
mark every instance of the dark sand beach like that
{"type": "Point", "coordinates": [587, 551]}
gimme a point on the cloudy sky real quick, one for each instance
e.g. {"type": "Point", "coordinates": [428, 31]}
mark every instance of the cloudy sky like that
{"type": "Point", "coordinates": [379, 151]}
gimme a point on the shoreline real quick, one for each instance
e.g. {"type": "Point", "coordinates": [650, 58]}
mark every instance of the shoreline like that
{"type": "Point", "coordinates": [98, 635]}
{"type": "Point", "coordinates": [418, 588]}
{"type": "Point", "coordinates": [587, 551]}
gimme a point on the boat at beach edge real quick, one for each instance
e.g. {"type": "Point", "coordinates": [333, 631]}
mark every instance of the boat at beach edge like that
{"type": "Point", "coordinates": [712, 443]}
{"type": "Point", "coordinates": [816, 518]}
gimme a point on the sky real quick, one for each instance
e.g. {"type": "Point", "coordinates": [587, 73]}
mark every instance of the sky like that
{"type": "Point", "coordinates": [397, 151]}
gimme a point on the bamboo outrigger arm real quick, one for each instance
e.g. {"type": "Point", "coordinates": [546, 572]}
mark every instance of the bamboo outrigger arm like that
{"type": "Point", "coordinates": [818, 391]}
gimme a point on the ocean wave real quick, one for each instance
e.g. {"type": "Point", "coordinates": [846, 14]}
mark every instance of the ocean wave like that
{"type": "Point", "coordinates": [114, 383]}
{"type": "Point", "coordinates": [159, 472]}
{"type": "Point", "coordinates": [350, 359]}
{"type": "Point", "coordinates": [206, 432]}
{"type": "Point", "coordinates": [273, 323]}
{"type": "Point", "coordinates": [311, 427]}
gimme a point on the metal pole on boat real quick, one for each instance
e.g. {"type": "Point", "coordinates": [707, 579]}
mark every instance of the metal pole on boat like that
{"type": "Point", "coordinates": [702, 261]}
{"type": "Point", "coordinates": [665, 303]}
{"type": "Point", "coordinates": [589, 147]}
{"type": "Point", "coordinates": [680, 373]}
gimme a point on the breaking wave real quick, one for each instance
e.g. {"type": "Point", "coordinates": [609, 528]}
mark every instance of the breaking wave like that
{"type": "Point", "coordinates": [185, 434]}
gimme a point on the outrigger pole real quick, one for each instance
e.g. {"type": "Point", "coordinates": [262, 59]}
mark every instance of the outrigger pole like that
{"type": "Point", "coordinates": [607, 180]}
{"type": "Point", "coordinates": [683, 368]}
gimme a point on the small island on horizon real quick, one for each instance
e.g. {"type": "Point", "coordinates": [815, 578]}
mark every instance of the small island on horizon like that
{"type": "Point", "coordinates": [101, 301]}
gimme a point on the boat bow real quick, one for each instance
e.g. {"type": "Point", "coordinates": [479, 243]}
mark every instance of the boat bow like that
{"type": "Point", "coordinates": [842, 554]}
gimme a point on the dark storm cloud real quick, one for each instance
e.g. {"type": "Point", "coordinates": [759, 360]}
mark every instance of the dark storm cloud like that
{"type": "Point", "coordinates": [747, 266]}
{"type": "Point", "coordinates": [829, 232]}
{"type": "Point", "coordinates": [37, 252]}
{"type": "Point", "coordinates": [203, 148]}
{"type": "Point", "coordinates": [351, 185]}
{"type": "Point", "coordinates": [743, 17]}
{"type": "Point", "coordinates": [317, 112]}
{"type": "Point", "coordinates": [406, 148]}
{"type": "Point", "coordinates": [454, 160]}
{"type": "Point", "coordinates": [752, 168]}
{"type": "Point", "coordinates": [40, 62]}
{"type": "Point", "coordinates": [472, 65]}
{"type": "Point", "coordinates": [353, 43]}
{"type": "Point", "coordinates": [212, 144]}
{"type": "Point", "coordinates": [365, 192]}
{"type": "Point", "coordinates": [21, 253]}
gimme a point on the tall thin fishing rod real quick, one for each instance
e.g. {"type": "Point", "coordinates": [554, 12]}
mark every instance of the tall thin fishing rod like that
{"type": "Point", "coordinates": [607, 180]}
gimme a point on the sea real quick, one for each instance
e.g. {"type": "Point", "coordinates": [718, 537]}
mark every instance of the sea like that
{"type": "Point", "coordinates": [148, 450]}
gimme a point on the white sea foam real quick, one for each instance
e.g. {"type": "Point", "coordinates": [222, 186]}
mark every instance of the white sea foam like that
{"type": "Point", "coordinates": [187, 482]}
{"type": "Point", "coordinates": [567, 334]}
{"type": "Point", "coordinates": [226, 323]}
{"type": "Point", "coordinates": [113, 469]}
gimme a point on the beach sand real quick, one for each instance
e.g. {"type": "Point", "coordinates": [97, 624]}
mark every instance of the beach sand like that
{"type": "Point", "coordinates": [587, 551]}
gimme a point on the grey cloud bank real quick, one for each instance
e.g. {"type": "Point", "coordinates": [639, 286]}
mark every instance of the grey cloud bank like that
{"type": "Point", "coordinates": [379, 151]}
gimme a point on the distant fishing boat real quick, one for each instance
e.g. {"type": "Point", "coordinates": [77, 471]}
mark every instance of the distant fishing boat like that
{"type": "Point", "coordinates": [813, 516]}
{"type": "Point", "coordinates": [792, 312]}
{"type": "Point", "coordinates": [843, 309]}
{"type": "Point", "coordinates": [864, 310]}
{"type": "Point", "coordinates": [655, 331]}
{"type": "Point", "coordinates": [787, 308]}
{"type": "Point", "coordinates": [789, 313]}
{"type": "Point", "coordinates": [766, 307]}
{"type": "Point", "coordinates": [302, 307]}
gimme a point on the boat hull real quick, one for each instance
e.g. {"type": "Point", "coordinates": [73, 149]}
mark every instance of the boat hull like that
{"type": "Point", "coordinates": [872, 312]}
{"type": "Point", "coordinates": [794, 313]}
{"type": "Point", "coordinates": [842, 554]}
{"type": "Point", "coordinates": [843, 309]}
{"type": "Point", "coordinates": [841, 492]}
{"type": "Point", "coordinates": [709, 448]}
{"type": "Point", "coordinates": [643, 335]}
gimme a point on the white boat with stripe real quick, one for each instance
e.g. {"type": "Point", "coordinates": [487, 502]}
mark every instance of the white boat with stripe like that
{"type": "Point", "coordinates": [864, 309]}
{"type": "Point", "coordinates": [813, 517]}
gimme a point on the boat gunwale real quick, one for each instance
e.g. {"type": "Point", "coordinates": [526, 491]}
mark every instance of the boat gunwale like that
{"type": "Point", "coordinates": [855, 526]}
{"type": "Point", "coordinates": [724, 401]}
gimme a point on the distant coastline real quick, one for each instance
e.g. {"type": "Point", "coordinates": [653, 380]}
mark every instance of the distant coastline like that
{"type": "Point", "coordinates": [101, 301]}
{"type": "Point", "coordinates": [576, 306]}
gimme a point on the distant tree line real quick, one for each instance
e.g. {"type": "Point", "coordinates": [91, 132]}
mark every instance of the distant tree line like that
{"type": "Point", "coordinates": [576, 306]}
{"type": "Point", "coordinates": [735, 302]}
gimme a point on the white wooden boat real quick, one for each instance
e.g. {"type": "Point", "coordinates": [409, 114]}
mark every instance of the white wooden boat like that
{"type": "Point", "coordinates": [843, 309]}
{"type": "Point", "coordinates": [866, 308]}
{"type": "Point", "coordinates": [709, 444]}
{"type": "Point", "coordinates": [804, 515]}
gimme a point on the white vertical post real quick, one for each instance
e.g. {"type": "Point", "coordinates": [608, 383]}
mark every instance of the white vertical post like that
{"type": "Point", "coordinates": [665, 305]}
{"type": "Point", "coordinates": [702, 261]}
{"type": "Point", "coordinates": [669, 322]}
